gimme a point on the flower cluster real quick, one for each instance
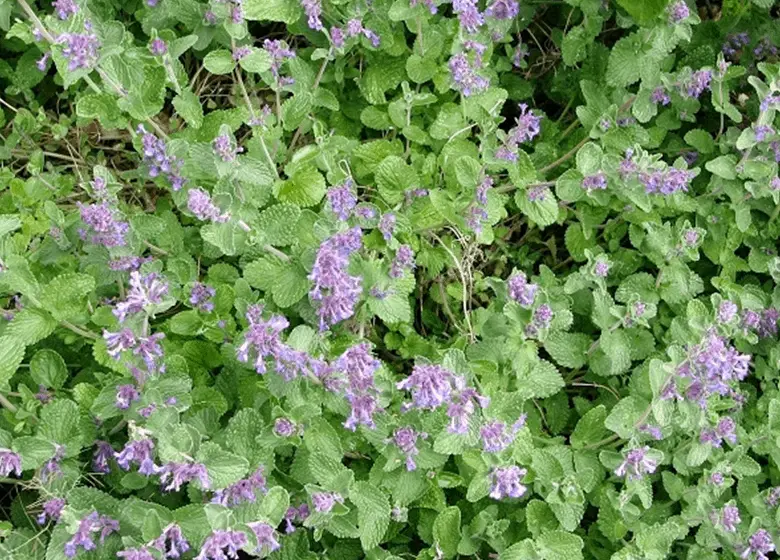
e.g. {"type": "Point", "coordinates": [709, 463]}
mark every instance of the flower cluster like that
{"type": "Point", "coordinates": [83, 538]}
{"type": "Point", "coordinates": [103, 223]}
{"type": "Point", "coordinates": [527, 127]}
{"type": "Point", "coordinates": [521, 290]}
{"type": "Point", "coordinates": [335, 291]}
{"type": "Point", "coordinates": [159, 161]}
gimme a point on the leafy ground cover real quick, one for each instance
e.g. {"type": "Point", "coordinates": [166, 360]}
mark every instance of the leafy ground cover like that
{"type": "Point", "coordinates": [389, 279]}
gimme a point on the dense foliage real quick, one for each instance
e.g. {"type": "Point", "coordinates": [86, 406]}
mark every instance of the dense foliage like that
{"type": "Point", "coordinates": [389, 279]}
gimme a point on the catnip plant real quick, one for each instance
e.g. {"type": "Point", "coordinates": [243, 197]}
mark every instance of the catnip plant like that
{"type": "Point", "coordinates": [389, 279]}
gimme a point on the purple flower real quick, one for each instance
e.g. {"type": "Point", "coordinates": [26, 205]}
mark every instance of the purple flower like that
{"type": "Point", "coordinates": [342, 200]}
{"type": "Point", "coordinates": [727, 518]}
{"type": "Point", "coordinates": [237, 12]}
{"type": "Point", "coordinates": [313, 9]}
{"type": "Point", "coordinates": [521, 290]}
{"type": "Point", "coordinates": [139, 452]}
{"type": "Point", "coordinates": [503, 9]}
{"type": "Point", "coordinates": [636, 464]}
{"type": "Point", "coordinates": [126, 264]}
{"type": "Point", "coordinates": [387, 225]}
{"type": "Point", "coordinates": [659, 95]}
{"type": "Point", "coordinates": [105, 228]}
{"type": "Point", "coordinates": [141, 553]}
{"type": "Point", "coordinates": [769, 101]}
{"type": "Point", "coordinates": [118, 342]}
{"type": "Point", "coordinates": [716, 478]}
{"type": "Point", "coordinates": [200, 297]}
{"type": "Point", "coordinates": [365, 212]}
{"type": "Point", "coordinates": [727, 311]}
{"type": "Point", "coordinates": [295, 514]}
{"type": "Point", "coordinates": [263, 336]}
{"type": "Point", "coordinates": [760, 543]}
{"type": "Point", "coordinates": [538, 194]}
{"type": "Point", "coordinates": [125, 395]}
{"type": "Point", "coordinates": [158, 47]}
{"type": "Point", "coordinates": [430, 385]}
{"type": "Point", "coordinates": [65, 8]}
{"type": "Point", "coordinates": [461, 406]}
{"type": "Point", "coordinates": [357, 366]}
{"type": "Point", "coordinates": [171, 542]}
{"type": "Point", "coordinates": [92, 523]}
{"type": "Point", "coordinates": [405, 439]}
{"type": "Point", "coordinates": [102, 456]}
{"type": "Point", "coordinates": [200, 204]}
{"type": "Point", "coordinates": [241, 52]}
{"type": "Point", "coordinates": [266, 538]}
{"type": "Point", "coordinates": [283, 427]}
{"type": "Point", "coordinates": [430, 4]}
{"type": "Point", "coordinates": [698, 82]}
{"type": "Point", "coordinates": [595, 182]}
{"type": "Point", "coordinates": [43, 395]}
{"type": "Point", "coordinates": [335, 291]}
{"type": "Point", "coordinates": [775, 183]}
{"type": "Point", "coordinates": [763, 131]}
{"type": "Point", "coordinates": [773, 498]}
{"type": "Point", "coordinates": [80, 50]}
{"type": "Point", "coordinates": [520, 54]}
{"type": "Point", "coordinates": [750, 319]}
{"type": "Point", "coordinates": [465, 77]}
{"type": "Point", "coordinates": [505, 482]}
{"type": "Point", "coordinates": [144, 290]}
{"type": "Point", "coordinates": [355, 28]}
{"type": "Point", "coordinates": [43, 61]}
{"type": "Point", "coordinates": [279, 52]}
{"type": "Point", "coordinates": [221, 545]}
{"type": "Point", "coordinates": [52, 466]}
{"type": "Point", "coordinates": [542, 316]}
{"type": "Point", "coordinates": [725, 429]}
{"type": "Point", "coordinates": [678, 11]}
{"type": "Point", "coordinates": [528, 126]}
{"type": "Point", "coordinates": [52, 509]}
{"type": "Point", "coordinates": [497, 436]}
{"type": "Point", "coordinates": [155, 156]}
{"type": "Point", "coordinates": [337, 37]}
{"type": "Point", "coordinates": [323, 502]}
{"type": "Point", "coordinates": [174, 475]}
{"type": "Point", "coordinates": [767, 326]}
{"type": "Point", "coordinates": [404, 260]}
{"type": "Point", "coordinates": [210, 18]}
{"type": "Point", "coordinates": [225, 147]}
{"type": "Point", "coordinates": [468, 14]}
{"type": "Point", "coordinates": [654, 431]}
{"type": "Point", "coordinates": [150, 351]}
{"type": "Point", "coordinates": [245, 490]}
{"type": "Point", "coordinates": [691, 238]}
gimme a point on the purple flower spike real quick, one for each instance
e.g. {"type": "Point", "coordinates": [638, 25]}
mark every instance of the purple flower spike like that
{"type": "Point", "coordinates": [10, 462]}
{"type": "Point", "coordinates": [323, 502]}
{"type": "Point", "coordinates": [313, 10]}
{"type": "Point", "coordinates": [174, 475]}
{"type": "Point", "coordinates": [387, 225]}
{"type": "Point", "coordinates": [521, 290]}
{"type": "Point", "coordinates": [465, 77]}
{"type": "Point", "coordinates": [503, 9]}
{"type": "Point", "coordinates": [90, 524]}
{"type": "Point", "coordinates": [245, 490]}
{"type": "Point", "coordinates": [200, 297]}
{"type": "Point", "coordinates": [497, 436]}
{"type": "Point", "coordinates": [158, 47]}
{"type": "Point", "coordinates": [221, 545]}
{"type": "Point", "coordinates": [266, 538]}
{"type": "Point", "coordinates": [506, 482]}
{"type": "Point", "coordinates": [171, 542]}
{"type": "Point", "coordinates": [430, 385]}
{"type": "Point", "coordinates": [404, 260]}
{"type": "Point", "coordinates": [636, 464]}
{"type": "Point", "coordinates": [225, 147]}
{"type": "Point", "coordinates": [141, 553]}
{"type": "Point", "coordinates": [102, 456]}
{"type": "Point", "coordinates": [284, 427]}
{"type": "Point", "coordinates": [341, 200]}
{"type": "Point", "coordinates": [144, 290]}
{"type": "Point", "coordinates": [52, 509]}
{"type": "Point", "coordinates": [80, 49]}
{"type": "Point", "coordinates": [760, 543]}
{"type": "Point", "coordinates": [104, 225]}
{"type": "Point", "coordinates": [468, 14]}
{"type": "Point", "coordinates": [139, 452]}
{"type": "Point", "coordinates": [125, 395]}
{"type": "Point", "coordinates": [65, 8]}
{"type": "Point", "coordinates": [678, 11]}
{"type": "Point", "coordinates": [405, 439]}
{"type": "Point", "coordinates": [200, 204]}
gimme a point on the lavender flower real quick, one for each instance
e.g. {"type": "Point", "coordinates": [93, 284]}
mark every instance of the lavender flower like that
{"type": "Point", "coordinates": [144, 290]}
{"type": "Point", "coordinates": [698, 82]}
{"type": "Point", "coordinates": [80, 50]}
{"type": "Point", "coordinates": [171, 542]}
{"type": "Point", "coordinates": [266, 538]}
{"type": "Point", "coordinates": [728, 518]}
{"type": "Point", "coordinates": [90, 524]}
{"type": "Point", "coordinates": [279, 52]}
{"type": "Point", "coordinates": [406, 441]}
{"type": "Point", "coordinates": [342, 200]}
{"type": "Point", "coordinates": [503, 9]}
{"type": "Point", "coordinates": [760, 543]}
{"type": "Point", "coordinates": [595, 182]}
{"type": "Point", "coordinates": [52, 467]}
{"type": "Point", "coordinates": [239, 53]}
{"type": "Point", "coordinates": [430, 385]}
{"type": "Point", "coordinates": [102, 456]}
{"type": "Point", "coordinates": [174, 475]}
{"type": "Point", "coordinates": [724, 430]}
{"type": "Point", "coordinates": [653, 431]}
{"type": "Point", "coordinates": [387, 225]}
{"type": "Point", "coordinates": [404, 260]}
{"type": "Point", "coordinates": [52, 509]}
{"type": "Point", "coordinates": [678, 11]}
{"type": "Point", "coordinates": [521, 290]}
{"type": "Point", "coordinates": [337, 38]}
{"type": "Point", "coordinates": [323, 502]}
{"type": "Point", "coordinates": [358, 366]}
{"type": "Point", "coordinates": [497, 436]}
{"type": "Point", "coordinates": [355, 28]}
{"type": "Point", "coordinates": [528, 127]}
{"type": "Point", "coordinates": [520, 54]}
{"type": "Point", "coordinates": [141, 553]}
{"type": "Point", "coordinates": [245, 490]}
{"type": "Point", "coordinates": [468, 14]}
{"type": "Point", "coordinates": [465, 77]}
{"type": "Point", "coordinates": [763, 131]}
{"type": "Point", "coordinates": [159, 162]}
{"type": "Point", "coordinates": [263, 336]}
{"type": "Point", "coordinates": [237, 12]}
{"type": "Point", "coordinates": [125, 395]}
{"type": "Point", "coordinates": [127, 264]}
{"type": "Point", "coordinates": [105, 228]}
{"type": "Point", "coordinates": [139, 452]}
{"type": "Point", "coordinates": [506, 482]}
{"type": "Point", "coordinates": [150, 351]}
{"type": "Point", "coordinates": [430, 4]}
{"type": "Point", "coordinates": [335, 291]}
{"type": "Point", "coordinates": [313, 10]}
{"type": "Point", "coordinates": [769, 101]}
{"type": "Point", "coordinates": [767, 326]}
{"type": "Point", "coordinates": [717, 478]}
{"type": "Point", "coordinates": [461, 406]}
{"type": "Point", "coordinates": [200, 297]}
{"type": "Point", "coordinates": [200, 204]}
{"type": "Point", "coordinates": [43, 61]}
{"type": "Point", "coordinates": [773, 498]}
{"type": "Point", "coordinates": [158, 47]}
{"type": "Point", "coordinates": [636, 464]}
{"type": "Point", "coordinates": [543, 315]}
{"type": "Point", "coordinates": [225, 147]}
{"type": "Point", "coordinates": [221, 545]}
{"type": "Point", "coordinates": [295, 514]}
{"type": "Point", "coordinates": [666, 182]}
{"type": "Point", "coordinates": [283, 427]}
{"type": "Point", "coordinates": [65, 8]}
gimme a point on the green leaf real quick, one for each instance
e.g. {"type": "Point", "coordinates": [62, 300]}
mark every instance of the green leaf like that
{"type": "Point", "coordinates": [221, 235]}
{"type": "Point", "coordinates": [59, 421]}
{"type": "Point", "coordinates": [47, 368]}
{"type": "Point", "coordinates": [568, 349]}
{"type": "Point", "coordinates": [11, 355]}
{"type": "Point", "coordinates": [278, 224]}
{"type": "Point", "coordinates": [224, 468]}
{"type": "Point", "coordinates": [275, 504]}
{"type": "Point", "coordinates": [560, 545]}
{"type": "Point", "coordinates": [542, 211]}
{"type": "Point", "coordinates": [393, 308]}
{"type": "Point", "coordinates": [305, 188]}
{"type": "Point", "coordinates": [723, 166]}
{"type": "Point", "coordinates": [622, 69]}
{"type": "Point", "coordinates": [34, 451]}
{"type": "Point", "coordinates": [643, 12]}
{"type": "Point", "coordinates": [295, 109]}
{"type": "Point", "coordinates": [542, 381]}
{"type": "Point", "coordinates": [103, 107]}
{"type": "Point", "coordinates": [219, 62]}
{"type": "Point", "coordinates": [624, 415]}
{"type": "Point", "coordinates": [290, 284]}
{"type": "Point", "coordinates": [31, 325]}
{"type": "Point", "coordinates": [393, 177]}
{"type": "Point", "coordinates": [373, 513]}
{"type": "Point", "coordinates": [65, 296]}
{"type": "Point", "coordinates": [446, 531]}
{"type": "Point", "coordinates": [286, 11]}
{"type": "Point", "coordinates": [701, 140]}
{"type": "Point", "coordinates": [421, 70]}
{"type": "Point", "coordinates": [188, 106]}
{"type": "Point", "coordinates": [590, 428]}
{"type": "Point", "coordinates": [257, 61]}
{"type": "Point", "coordinates": [9, 223]}
{"type": "Point", "coordinates": [187, 323]}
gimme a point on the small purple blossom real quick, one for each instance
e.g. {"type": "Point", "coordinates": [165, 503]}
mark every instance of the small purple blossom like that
{"type": "Point", "coordinates": [355, 28]}
{"type": "Point", "coordinates": [468, 14]}
{"type": "Point", "coordinates": [80, 49]}
{"type": "Point", "coordinates": [430, 385]}
{"type": "Point", "coordinates": [43, 61]}
{"type": "Point", "coordinates": [506, 482]}
{"type": "Point", "coordinates": [128, 263]}
{"type": "Point", "coordinates": [103, 454]}
{"type": "Point", "coordinates": [636, 464]}
{"type": "Point", "coordinates": [405, 439]}
{"type": "Point", "coordinates": [118, 342]}
{"type": "Point", "coordinates": [241, 52]}
{"type": "Point", "coordinates": [174, 475]}
{"type": "Point", "coordinates": [313, 10]}
{"type": "Point", "coordinates": [522, 291]}
{"type": "Point", "coordinates": [158, 161]}
{"type": "Point", "coordinates": [266, 538]}
{"type": "Point", "coordinates": [542, 317]}
{"type": "Point", "coordinates": [225, 148]}
{"type": "Point", "coordinates": [139, 452]}
{"type": "Point", "coordinates": [387, 225]}
{"type": "Point", "coordinates": [284, 427]}
{"type": "Point", "coordinates": [104, 225]}
{"type": "Point", "coordinates": [279, 52]}
{"type": "Point", "coordinates": [341, 200]}
{"type": "Point", "coordinates": [497, 436]}
{"type": "Point", "coordinates": [763, 131]}
{"type": "Point", "coordinates": [728, 518]}
{"type": "Point", "coordinates": [697, 83]}
{"type": "Point", "coordinates": [125, 395]}
{"type": "Point", "coordinates": [293, 514]}
{"type": "Point", "coordinates": [404, 260]}
{"type": "Point", "coordinates": [773, 497]}
{"type": "Point", "coordinates": [727, 311]}
{"type": "Point", "coordinates": [171, 542]}
{"type": "Point", "coordinates": [90, 524]}
{"type": "Point", "coordinates": [245, 490]}
{"type": "Point", "coordinates": [659, 95]}
{"type": "Point", "coordinates": [158, 47]}
{"type": "Point", "coordinates": [767, 326]}
{"type": "Point", "coordinates": [65, 8]}
{"type": "Point", "coordinates": [503, 9]}
{"type": "Point", "coordinates": [760, 543]}
{"type": "Point", "coordinates": [150, 351]}
{"type": "Point", "coordinates": [717, 478]}
{"type": "Point", "coordinates": [52, 509]}
{"type": "Point", "coordinates": [140, 553]}
{"type": "Point", "coordinates": [465, 77]}
{"type": "Point", "coordinates": [769, 101]}
{"type": "Point", "coordinates": [678, 11]}
{"type": "Point", "coordinates": [200, 204]}
{"type": "Point", "coordinates": [200, 297]}
{"type": "Point", "coordinates": [323, 502]}
{"type": "Point", "coordinates": [666, 182]}
{"type": "Point", "coordinates": [221, 545]}
{"type": "Point", "coordinates": [595, 182]}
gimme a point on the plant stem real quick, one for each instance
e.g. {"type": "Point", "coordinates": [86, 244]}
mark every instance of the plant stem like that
{"type": "Point", "coordinates": [8, 405]}
{"type": "Point", "coordinates": [78, 330]}
{"type": "Point", "coordinates": [314, 87]}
